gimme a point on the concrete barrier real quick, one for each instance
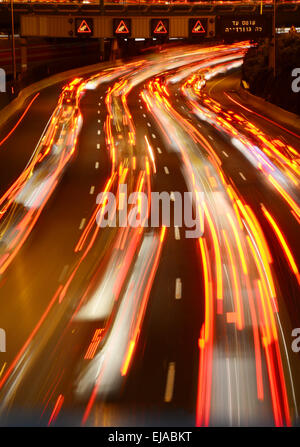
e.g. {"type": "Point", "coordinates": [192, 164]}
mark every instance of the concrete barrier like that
{"type": "Point", "coordinates": [2, 81]}
{"type": "Point", "coordinates": [275, 113]}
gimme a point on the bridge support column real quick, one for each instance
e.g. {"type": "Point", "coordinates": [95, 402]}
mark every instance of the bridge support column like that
{"type": "Point", "coordinates": [23, 49]}
{"type": "Point", "coordinates": [101, 48]}
{"type": "Point", "coordinates": [114, 52]}
{"type": "Point", "coordinates": [266, 51]}
{"type": "Point", "coordinates": [272, 54]}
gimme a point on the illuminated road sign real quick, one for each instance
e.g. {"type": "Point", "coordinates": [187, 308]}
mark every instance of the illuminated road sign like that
{"type": "Point", "coordinates": [246, 26]}
{"type": "Point", "coordinates": [198, 27]}
{"type": "Point", "coordinates": [159, 27]}
{"type": "Point", "coordinates": [84, 27]}
{"type": "Point", "coordinates": [122, 27]}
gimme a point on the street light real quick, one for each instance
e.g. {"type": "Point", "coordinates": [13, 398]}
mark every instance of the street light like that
{"type": "Point", "coordinates": [13, 40]}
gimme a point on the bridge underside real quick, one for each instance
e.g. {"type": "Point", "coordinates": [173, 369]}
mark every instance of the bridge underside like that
{"type": "Point", "coordinates": [58, 19]}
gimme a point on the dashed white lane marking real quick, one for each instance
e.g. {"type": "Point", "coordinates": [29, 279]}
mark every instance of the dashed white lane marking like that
{"type": "Point", "coordinates": [170, 382]}
{"type": "Point", "coordinates": [82, 223]}
{"type": "Point", "coordinates": [242, 175]}
{"type": "Point", "coordinates": [177, 233]}
{"type": "Point", "coordinates": [99, 121]}
{"type": "Point", "coordinates": [144, 115]}
{"type": "Point", "coordinates": [225, 153]}
{"type": "Point", "coordinates": [166, 170]}
{"type": "Point", "coordinates": [141, 107]}
{"type": "Point", "coordinates": [148, 124]}
{"type": "Point", "coordinates": [178, 289]}
{"type": "Point", "coordinates": [97, 165]}
{"type": "Point", "coordinates": [159, 150]}
{"type": "Point", "coordinates": [99, 103]}
{"type": "Point", "coordinates": [140, 100]}
{"type": "Point", "coordinates": [99, 132]}
{"type": "Point", "coordinates": [210, 137]}
{"type": "Point", "coordinates": [199, 125]}
{"type": "Point", "coordinates": [98, 146]}
{"type": "Point", "coordinates": [153, 135]}
{"type": "Point", "coordinates": [92, 190]}
{"type": "Point", "coordinates": [98, 112]}
{"type": "Point", "coordinates": [172, 197]}
{"type": "Point", "coordinates": [63, 273]}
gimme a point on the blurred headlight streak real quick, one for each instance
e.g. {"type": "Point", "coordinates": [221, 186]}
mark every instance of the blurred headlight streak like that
{"type": "Point", "coordinates": [104, 373]}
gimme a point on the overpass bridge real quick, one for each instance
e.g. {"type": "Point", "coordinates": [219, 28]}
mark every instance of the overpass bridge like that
{"type": "Point", "coordinates": [113, 23]}
{"type": "Point", "coordinates": [141, 19]}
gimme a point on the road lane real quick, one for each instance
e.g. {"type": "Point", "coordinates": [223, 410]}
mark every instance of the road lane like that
{"type": "Point", "coordinates": [148, 326]}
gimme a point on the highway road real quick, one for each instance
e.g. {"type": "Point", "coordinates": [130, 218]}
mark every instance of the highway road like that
{"type": "Point", "coordinates": [148, 322]}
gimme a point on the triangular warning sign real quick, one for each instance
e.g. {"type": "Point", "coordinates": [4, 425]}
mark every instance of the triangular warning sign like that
{"type": "Point", "coordinates": [84, 28]}
{"type": "Point", "coordinates": [198, 28]}
{"type": "Point", "coordinates": [122, 28]}
{"type": "Point", "coordinates": [160, 28]}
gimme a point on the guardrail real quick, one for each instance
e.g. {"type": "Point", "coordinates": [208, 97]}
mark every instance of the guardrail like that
{"type": "Point", "coordinates": [152, 3]}
{"type": "Point", "coordinates": [156, 2]}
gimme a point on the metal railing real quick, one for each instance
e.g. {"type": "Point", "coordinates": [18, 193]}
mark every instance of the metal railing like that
{"type": "Point", "coordinates": [156, 2]}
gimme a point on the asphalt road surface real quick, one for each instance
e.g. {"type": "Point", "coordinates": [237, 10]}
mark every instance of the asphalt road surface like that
{"type": "Point", "coordinates": [180, 316]}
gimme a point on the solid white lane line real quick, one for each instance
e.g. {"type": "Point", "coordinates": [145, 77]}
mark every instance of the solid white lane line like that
{"type": "Point", "coordinates": [170, 382]}
{"type": "Point", "coordinates": [82, 223]}
{"type": "Point", "coordinates": [178, 289]}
